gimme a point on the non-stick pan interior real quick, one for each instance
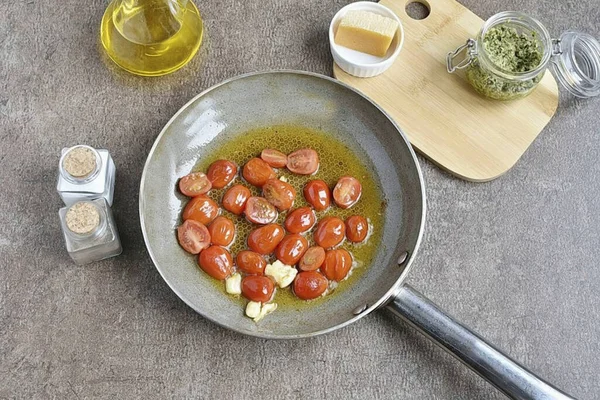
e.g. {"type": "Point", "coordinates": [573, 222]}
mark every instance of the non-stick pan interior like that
{"type": "Point", "coordinates": [265, 99]}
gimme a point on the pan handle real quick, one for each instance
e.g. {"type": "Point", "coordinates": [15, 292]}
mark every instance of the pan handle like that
{"type": "Point", "coordinates": [504, 373]}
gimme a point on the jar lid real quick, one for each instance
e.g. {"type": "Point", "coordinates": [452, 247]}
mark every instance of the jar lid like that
{"type": "Point", "coordinates": [576, 63]}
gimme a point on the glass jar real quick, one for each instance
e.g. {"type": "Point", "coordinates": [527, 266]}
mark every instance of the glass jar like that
{"type": "Point", "coordinates": [574, 60]}
{"type": "Point", "coordinates": [90, 231]}
{"type": "Point", "coordinates": [85, 173]}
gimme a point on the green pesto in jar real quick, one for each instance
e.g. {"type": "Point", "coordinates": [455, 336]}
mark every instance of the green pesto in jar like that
{"type": "Point", "coordinates": [512, 52]}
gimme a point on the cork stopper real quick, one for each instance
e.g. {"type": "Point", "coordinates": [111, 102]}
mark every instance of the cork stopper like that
{"type": "Point", "coordinates": [80, 162]}
{"type": "Point", "coordinates": [82, 218]}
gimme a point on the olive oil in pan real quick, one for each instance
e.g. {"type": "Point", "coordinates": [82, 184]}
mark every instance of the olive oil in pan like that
{"type": "Point", "coordinates": [336, 160]}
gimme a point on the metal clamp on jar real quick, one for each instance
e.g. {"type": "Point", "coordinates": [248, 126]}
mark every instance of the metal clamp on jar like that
{"type": "Point", "coordinates": [574, 59]}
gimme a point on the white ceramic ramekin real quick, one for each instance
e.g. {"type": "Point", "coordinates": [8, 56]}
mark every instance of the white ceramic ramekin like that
{"type": "Point", "coordinates": [361, 64]}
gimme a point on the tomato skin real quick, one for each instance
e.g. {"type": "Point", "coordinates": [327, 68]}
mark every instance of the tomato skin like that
{"type": "Point", "coordinates": [194, 184]}
{"type": "Point", "coordinates": [265, 239]}
{"type": "Point", "coordinates": [303, 162]}
{"type": "Point", "coordinates": [274, 158]}
{"type": "Point", "coordinates": [257, 288]}
{"type": "Point", "coordinates": [317, 193]}
{"type": "Point", "coordinates": [347, 191]}
{"type": "Point", "coordinates": [202, 209]}
{"type": "Point", "coordinates": [193, 236]}
{"type": "Point", "coordinates": [221, 172]}
{"type": "Point", "coordinates": [280, 194]}
{"type": "Point", "coordinates": [216, 262]}
{"type": "Point", "coordinates": [222, 231]}
{"type": "Point", "coordinates": [330, 232]}
{"type": "Point", "coordinates": [260, 211]}
{"type": "Point", "coordinates": [257, 172]}
{"type": "Point", "coordinates": [250, 262]}
{"type": "Point", "coordinates": [300, 220]}
{"type": "Point", "coordinates": [357, 228]}
{"type": "Point", "coordinates": [235, 198]}
{"type": "Point", "coordinates": [309, 285]}
{"type": "Point", "coordinates": [337, 264]}
{"type": "Point", "coordinates": [291, 249]}
{"type": "Point", "coordinates": [312, 259]}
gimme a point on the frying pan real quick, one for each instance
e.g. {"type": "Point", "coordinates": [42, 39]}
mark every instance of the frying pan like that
{"type": "Point", "coordinates": [224, 111]}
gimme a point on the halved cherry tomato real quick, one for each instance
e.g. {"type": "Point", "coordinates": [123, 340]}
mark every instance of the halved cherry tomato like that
{"type": "Point", "coordinates": [312, 259]}
{"type": "Point", "coordinates": [291, 249]}
{"type": "Point", "coordinates": [221, 172]}
{"type": "Point", "coordinates": [257, 288]}
{"type": "Point", "coordinates": [202, 209]}
{"type": "Point", "coordinates": [280, 194]}
{"type": "Point", "coordinates": [194, 184]}
{"type": "Point", "coordinates": [193, 236]}
{"type": "Point", "coordinates": [250, 262]}
{"type": "Point", "coordinates": [216, 261]}
{"type": "Point", "coordinates": [222, 231]}
{"type": "Point", "coordinates": [303, 162]}
{"type": "Point", "coordinates": [309, 285]}
{"type": "Point", "coordinates": [300, 220]}
{"type": "Point", "coordinates": [347, 191]}
{"type": "Point", "coordinates": [337, 264]}
{"type": "Point", "coordinates": [357, 228]}
{"type": "Point", "coordinates": [274, 158]}
{"type": "Point", "coordinates": [234, 199]}
{"type": "Point", "coordinates": [260, 211]}
{"type": "Point", "coordinates": [257, 172]}
{"type": "Point", "coordinates": [266, 238]}
{"type": "Point", "coordinates": [330, 232]}
{"type": "Point", "coordinates": [317, 193]}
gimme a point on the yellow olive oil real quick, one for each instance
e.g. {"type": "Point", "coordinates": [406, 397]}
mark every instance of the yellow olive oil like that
{"type": "Point", "coordinates": [336, 160]}
{"type": "Point", "coordinates": [151, 37]}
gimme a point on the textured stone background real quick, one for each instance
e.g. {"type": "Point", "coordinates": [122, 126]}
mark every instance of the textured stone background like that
{"type": "Point", "coordinates": [516, 259]}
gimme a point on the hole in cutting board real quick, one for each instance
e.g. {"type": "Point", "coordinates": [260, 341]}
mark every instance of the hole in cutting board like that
{"type": "Point", "coordinates": [417, 10]}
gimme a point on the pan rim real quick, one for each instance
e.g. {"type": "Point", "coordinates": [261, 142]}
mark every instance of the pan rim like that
{"type": "Point", "coordinates": [269, 335]}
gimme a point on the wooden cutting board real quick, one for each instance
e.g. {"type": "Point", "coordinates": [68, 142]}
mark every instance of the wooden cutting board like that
{"type": "Point", "coordinates": [472, 137]}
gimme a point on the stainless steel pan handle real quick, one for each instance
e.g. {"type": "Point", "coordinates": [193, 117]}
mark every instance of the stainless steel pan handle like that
{"type": "Point", "coordinates": [490, 363]}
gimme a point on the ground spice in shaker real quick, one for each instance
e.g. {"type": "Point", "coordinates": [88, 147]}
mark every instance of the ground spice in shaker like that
{"type": "Point", "coordinates": [79, 162]}
{"type": "Point", "coordinates": [82, 218]}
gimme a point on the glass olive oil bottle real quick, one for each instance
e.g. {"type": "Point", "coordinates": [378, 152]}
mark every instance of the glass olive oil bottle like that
{"type": "Point", "coordinates": [151, 37]}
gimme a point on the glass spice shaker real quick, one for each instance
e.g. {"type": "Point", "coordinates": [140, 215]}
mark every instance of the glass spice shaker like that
{"type": "Point", "coordinates": [85, 174]}
{"type": "Point", "coordinates": [574, 59]}
{"type": "Point", "coordinates": [90, 231]}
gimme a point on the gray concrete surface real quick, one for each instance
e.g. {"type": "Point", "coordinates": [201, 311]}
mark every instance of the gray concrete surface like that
{"type": "Point", "coordinates": [516, 259]}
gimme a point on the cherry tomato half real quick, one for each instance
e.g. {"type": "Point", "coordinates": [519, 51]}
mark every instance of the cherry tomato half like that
{"type": "Point", "coordinates": [257, 172]}
{"type": "Point", "coordinates": [260, 211]}
{"type": "Point", "coordinates": [265, 239]}
{"type": "Point", "coordinates": [202, 209]}
{"type": "Point", "coordinates": [312, 259]}
{"type": "Point", "coordinates": [234, 199]}
{"type": "Point", "coordinates": [337, 264]}
{"type": "Point", "coordinates": [274, 158]}
{"type": "Point", "coordinates": [300, 220]}
{"type": "Point", "coordinates": [257, 288]}
{"type": "Point", "coordinates": [303, 162]}
{"type": "Point", "coordinates": [216, 261]}
{"type": "Point", "coordinates": [194, 184]}
{"type": "Point", "coordinates": [347, 191]}
{"type": "Point", "coordinates": [193, 236]}
{"type": "Point", "coordinates": [250, 262]}
{"type": "Point", "coordinates": [309, 285]}
{"type": "Point", "coordinates": [317, 194]}
{"type": "Point", "coordinates": [280, 194]}
{"type": "Point", "coordinates": [222, 231]}
{"type": "Point", "coordinates": [291, 249]}
{"type": "Point", "coordinates": [330, 232]}
{"type": "Point", "coordinates": [221, 172]}
{"type": "Point", "coordinates": [357, 228]}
